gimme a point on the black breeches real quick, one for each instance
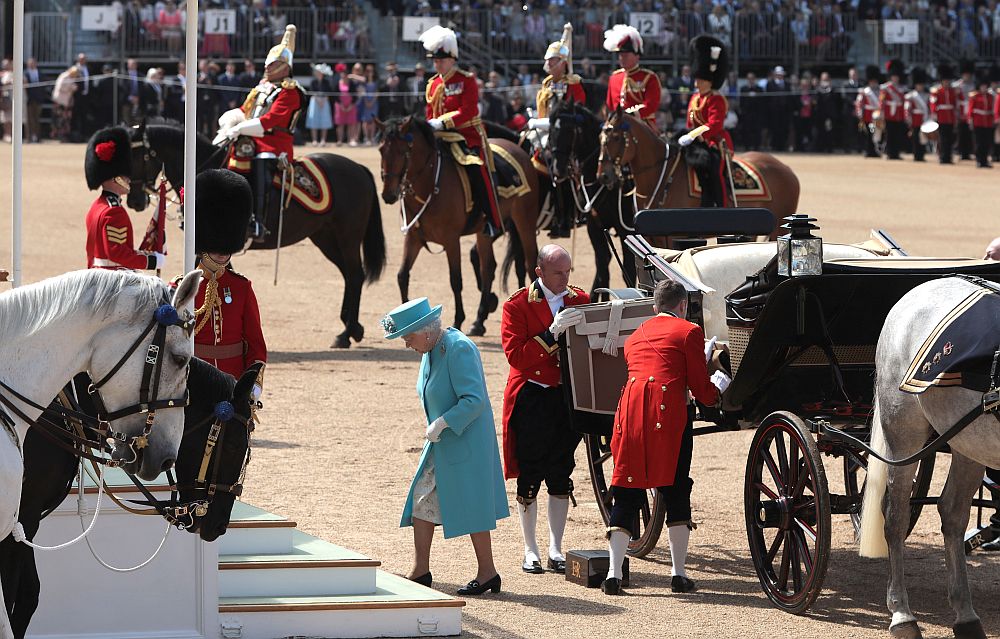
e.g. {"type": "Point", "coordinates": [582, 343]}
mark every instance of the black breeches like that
{"type": "Point", "coordinates": [946, 142]}
{"type": "Point", "coordinates": [895, 138]}
{"type": "Point", "coordinates": [710, 178]}
{"type": "Point", "coordinates": [545, 444]}
{"type": "Point", "coordinates": [916, 144]}
{"type": "Point", "coordinates": [964, 140]}
{"type": "Point", "coordinates": [984, 144]}
{"type": "Point", "coordinates": [627, 502]}
{"type": "Point", "coordinates": [263, 174]}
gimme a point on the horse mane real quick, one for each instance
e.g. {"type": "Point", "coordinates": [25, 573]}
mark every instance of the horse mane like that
{"type": "Point", "coordinates": [208, 384]}
{"type": "Point", "coordinates": [27, 309]}
{"type": "Point", "coordinates": [579, 108]}
{"type": "Point", "coordinates": [393, 126]}
{"type": "Point", "coordinates": [495, 130]}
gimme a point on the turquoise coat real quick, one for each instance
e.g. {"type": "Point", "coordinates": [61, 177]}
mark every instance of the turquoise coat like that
{"type": "Point", "coordinates": [467, 470]}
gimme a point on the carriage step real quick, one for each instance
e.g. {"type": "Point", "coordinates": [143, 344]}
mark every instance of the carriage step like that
{"type": "Point", "coordinates": [313, 568]}
{"type": "Point", "coordinates": [845, 504]}
{"type": "Point", "coordinates": [397, 608]}
{"type": "Point", "coordinates": [254, 531]}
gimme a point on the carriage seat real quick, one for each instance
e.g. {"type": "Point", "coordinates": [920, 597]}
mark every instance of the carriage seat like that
{"type": "Point", "coordinates": [913, 264]}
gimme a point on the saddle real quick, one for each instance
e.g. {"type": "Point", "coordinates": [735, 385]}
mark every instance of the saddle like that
{"type": "Point", "coordinates": [748, 180]}
{"type": "Point", "coordinates": [307, 184]}
{"type": "Point", "coordinates": [507, 172]}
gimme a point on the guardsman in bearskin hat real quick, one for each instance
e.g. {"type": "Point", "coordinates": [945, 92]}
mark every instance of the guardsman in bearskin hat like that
{"type": "Point", "coordinates": [944, 104]}
{"type": "Point", "coordinates": [635, 89]}
{"type": "Point", "coordinates": [981, 114]}
{"type": "Point", "coordinates": [110, 243]}
{"type": "Point", "coordinates": [866, 108]}
{"type": "Point", "coordinates": [708, 107]}
{"type": "Point", "coordinates": [995, 90]}
{"type": "Point", "coordinates": [453, 111]}
{"type": "Point", "coordinates": [269, 116]}
{"type": "Point", "coordinates": [227, 330]}
{"type": "Point", "coordinates": [892, 103]}
{"type": "Point", "coordinates": [917, 111]}
{"type": "Point", "coordinates": [963, 87]}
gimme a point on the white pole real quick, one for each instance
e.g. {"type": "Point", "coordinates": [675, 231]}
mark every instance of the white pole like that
{"type": "Point", "coordinates": [17, 140]}
{"type": "Point", "coordinates": [190, 130]}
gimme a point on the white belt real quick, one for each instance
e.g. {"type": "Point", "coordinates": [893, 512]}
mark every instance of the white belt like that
{"type": "Point", "coordinates": [982, 112]}
{"type": "Point", "coordinates": [100, 261]}
{"type": "Point", "coordinates": [943, 107]}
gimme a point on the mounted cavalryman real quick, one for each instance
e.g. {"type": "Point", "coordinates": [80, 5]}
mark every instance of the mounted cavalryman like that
{"type": "Point", "coordinates": [110, 242]}
{"type": "Point", "coordinates": [631, 87]}
{"type": "Point", "coordinates": [269, 116]}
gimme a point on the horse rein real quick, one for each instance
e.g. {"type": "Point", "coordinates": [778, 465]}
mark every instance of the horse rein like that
{"type": "Point", "coordinates": [406, 186]}
{"type": "Point", "coordinates": [621, 171]}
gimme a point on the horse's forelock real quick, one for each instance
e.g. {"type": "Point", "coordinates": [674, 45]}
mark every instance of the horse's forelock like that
{"type": "Point", "coordinates": [209, 385]}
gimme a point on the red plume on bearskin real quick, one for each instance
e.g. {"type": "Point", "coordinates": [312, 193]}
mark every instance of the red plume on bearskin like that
{"type": "Point", "coordinates": [105, 151]}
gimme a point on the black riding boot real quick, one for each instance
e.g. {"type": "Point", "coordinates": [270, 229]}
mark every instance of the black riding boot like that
{"type": "Point", "coordinates": [263, 174]}
{"type": "Point", "coordinates": [481, 200]}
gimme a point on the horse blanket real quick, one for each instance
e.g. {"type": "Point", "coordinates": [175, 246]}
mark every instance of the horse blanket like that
{"type": "Point", "coordinates": [749, 182]}
{"type": "Point", "coordinates": [308, 186]}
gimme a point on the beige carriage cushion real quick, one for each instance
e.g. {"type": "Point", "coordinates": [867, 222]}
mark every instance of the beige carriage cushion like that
{"type": "Point", "coordinates": [913, 262]}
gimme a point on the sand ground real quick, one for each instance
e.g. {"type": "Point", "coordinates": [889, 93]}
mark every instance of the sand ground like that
{"type": "Point", "coordinates": [342, 429]}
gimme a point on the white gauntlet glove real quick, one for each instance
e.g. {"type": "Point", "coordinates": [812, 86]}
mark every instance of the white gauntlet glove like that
{"type": "Point", "coordinates": [564, 319]}
{"type": "Point", "coordinates": [436, 124]}
{"type": "Point", "coordinates": [540, 124]}
{"type": "Point", "coordinates": [720, 380]}
{"type": "Point", "coordinates": [161, 259]}
{"type": "Point", "coordinates": [685, 140]}
{"type": "Point", "coordinates": [253, 128]}
{"type": "Point", "coordinates": [256, 392]}
{"type": "Point", "coordinates": [434, 430]}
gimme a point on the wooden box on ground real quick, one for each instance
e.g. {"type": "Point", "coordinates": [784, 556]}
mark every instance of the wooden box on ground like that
{"type": "Point", "coordinates": [590, 567]}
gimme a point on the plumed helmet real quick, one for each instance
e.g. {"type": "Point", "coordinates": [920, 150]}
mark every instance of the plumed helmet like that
{"type": "Point", "coordinates": [283, 50]}
{"type": "Point", "coordinates": [709, 60]}
{"type": "Point", "coordinates": [872, 73]}
{"type": "Point", "coordinates": [945, 72]}
{"type": "Point", "coordinates": [440, 42]}
{"type": "Point", "coordinates": [623, 38]}
{"type": "Point", "coordinates": [563, 48]}
{"type": "Point", "coordinates": [223, 204]}
{"type": "Point", "coordinates": [895, 67]}
{"type": "Point", "coordinates": [967, 66]}
{"type": "Point", "coordinates": [918, 76]}
{"type": "Point", "coordinates": [109, 155]}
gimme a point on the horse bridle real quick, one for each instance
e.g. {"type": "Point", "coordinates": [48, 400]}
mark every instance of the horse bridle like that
{"type": "Point", "coordinates": [406, 187]}
{"type": "Point", "coordinates": [148, 152]}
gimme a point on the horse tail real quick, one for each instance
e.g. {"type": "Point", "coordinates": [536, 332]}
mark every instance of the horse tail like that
{"type": "Point", "coordinates": [872, 536]}
{"type": "Point", "coordinates": [374, 240]}
{"type": "Point", "coordinates": [515, 250]}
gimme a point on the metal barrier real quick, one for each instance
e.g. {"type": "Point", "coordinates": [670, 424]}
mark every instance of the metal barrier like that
{"type": "Point", "coordinates": [48, 37]}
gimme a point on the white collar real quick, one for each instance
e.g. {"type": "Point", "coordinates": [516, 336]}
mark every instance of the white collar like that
{"type": "Point", "coordinates": [549, 295]}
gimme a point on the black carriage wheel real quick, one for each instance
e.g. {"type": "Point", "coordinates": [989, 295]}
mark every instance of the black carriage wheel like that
{"type": "Point", "coordinates": [854, 485]}
{"type": "Point", "coordinates": [787, 510]}
{"type": "Point", "coordinates": [653, 509]}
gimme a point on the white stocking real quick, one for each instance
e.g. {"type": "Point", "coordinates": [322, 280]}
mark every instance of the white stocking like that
{"type": "Point", "coordinates": [678, 537]}
{"type": "Point", "coordinates": [529, 518]}
{"type": "Point", "coordinates": [617, 548]}
{"type": "Point", "coordinates": [558, 511]}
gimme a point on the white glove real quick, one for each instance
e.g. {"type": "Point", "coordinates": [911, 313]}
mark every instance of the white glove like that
{"type": "Point", "coordinates": [720, 380]}
{"type": "Point", "coordinates": [161, 259]}
{"type": "Point", "coordinates": [256, 392]}
{"type": "Point", "coordinates": [434, 430]}
{"type": "Point", "coordinates": [709, 347]}
{"type": "Point", "coordinates": [253, 128]}
{"type": "Point", "coordinates": [541, 124]}
{"type": "Point", "coordinates": [436, 124]}
{"type": "Point", "coordinates": [685, 140]}
{"type": "Point", "coordinates": [564, 319]}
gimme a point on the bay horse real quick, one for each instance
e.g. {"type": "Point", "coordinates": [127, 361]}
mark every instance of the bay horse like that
{"type": "Point", "coordinates": [632, 150]}
{"type": "Point", "coordinates": [49, 471]}
{"type": "Point", "coordinates": [351, 224]}
{"type": "Point", "coordinates": [425, 179]}
{"type": "Point", "coordinates": [95, 320]}
{"type": "Point", "coordinates": [901, 426]}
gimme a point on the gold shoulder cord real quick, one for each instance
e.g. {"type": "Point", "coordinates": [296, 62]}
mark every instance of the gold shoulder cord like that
{"type": "Point", "coordinates": [212, 301]}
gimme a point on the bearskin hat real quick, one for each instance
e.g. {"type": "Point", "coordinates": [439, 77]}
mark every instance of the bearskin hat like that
{"type": "Point", "coordinates": [983, 78]}
{"type": "Point", "coordinates": [945, 72]}
{"type": "Point", "coordinates": [109, 155]}
{"type": "Point", "coordinates": [918, 76]}
{"type": "Point", "coordinates": [623, 38]}
{"type": "Point", "coordinates": [995, 72]}
{"type": "Point", "coordinates": [223, 204]}
{"type": "Point", "coordinates": [872, 73]}
{"type": "Point", "coordinates": [709, 60]}
{"type": "Point", "coordinates": [967, 66]}
{"type": "Point", "coordinates": [895, 67]}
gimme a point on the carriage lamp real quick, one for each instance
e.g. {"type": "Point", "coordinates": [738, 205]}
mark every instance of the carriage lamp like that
{"type": "Point", "coordinates": [800, 252]}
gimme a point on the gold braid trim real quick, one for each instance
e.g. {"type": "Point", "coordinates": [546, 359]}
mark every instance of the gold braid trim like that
{"type": "Point", "coordinates": [211, 269]}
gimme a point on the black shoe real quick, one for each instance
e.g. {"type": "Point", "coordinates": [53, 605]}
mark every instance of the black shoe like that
{"type": "Point", "coordinates": [682, 584]}
{"type": "Point", "coordinates": [425, 579]}
{"type": "Point", "coordinates": [991, 546]}
{"type": "Point", "coordinates": [533, 567]}
{"type": "Point", "coordinates": [945, 162]}
{"type": "Point", "coordinates": [557, 565]}
{"type": "Point", "coordinates": [611, 586]}
{"type": "Point", "coordinates": [476, 588]}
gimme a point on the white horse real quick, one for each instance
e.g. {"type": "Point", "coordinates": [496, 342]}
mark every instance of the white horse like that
{"type": "Point", "coordinates": [901, 426]}
{"type": "Point", "coordinates": [85, 322]}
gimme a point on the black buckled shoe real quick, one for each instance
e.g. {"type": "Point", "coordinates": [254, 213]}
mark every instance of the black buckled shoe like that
{"type": "Point", "coordinates": [425, 579]}
{"type": "Point", "coordinates": [476, 588]}
{"type": "Point", "coordinates": [612, 586]}
{"type": "Point", "coordinates": [532, 567]}
{"type": "Point", "coordinates": [557, 565]}
{"type": "Point", "coordinates": [682, 584]}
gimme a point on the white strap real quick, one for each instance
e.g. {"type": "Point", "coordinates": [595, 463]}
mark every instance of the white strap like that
{"type": "Point", "coordinates": [614, 326]}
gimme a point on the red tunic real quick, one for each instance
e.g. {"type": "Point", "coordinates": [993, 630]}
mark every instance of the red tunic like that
{"type": "Point", "coordinates": [531, 352]}
{"type": "Point", "coordinates": [110, 243]}
{"type": "Point", "coordinates": [916, 109]}
{"type": "Point", "coordinates": [866, 104]}
{"type": "Point", "coordinates": [231, 340]}
{"type": "Point", "coordinates": [665, 357]}
{"type": "Point", "coordinates": [636, 87]}
{"type": "Point", "coordinates": [454, 99]}
{"type": "Point", "coordinates": [891, 101]}
{"type": "Point", "coordinates": [981, 110]}
{"type": "Point", "coordinates": [943, 101]}
{"type": "Point", "coordinates": [710, 109]}
{"type": "Point", "coordinates": [277, 116]}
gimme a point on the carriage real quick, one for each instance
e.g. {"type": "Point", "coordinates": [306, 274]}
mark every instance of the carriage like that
{"type": "Point", "coordinates": [801, 352]}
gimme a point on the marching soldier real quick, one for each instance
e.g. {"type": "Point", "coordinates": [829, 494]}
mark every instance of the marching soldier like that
{"type": "Point", "coordinates": [228, 334]}
{"type": "Point", "coordinates": [708, 107]}
{"type": "Point", "coordinates": [892, 104]}
{"type": "Point", "coordinates": [635, 89]}
{"type": "Point", "coordinates": [453, 111]}
{"type": "Point", "coordinates": [866, 106]}
{"type": "Point", "coordinates": [271, 112]}
{"type": "Point", "coordinates": [981, 114]}
{"type": "Point", "coordinates": [917, 111]}
{"type": "Point", "coordinates": [110, 243]}
{"type": "Point", "coordinates": [944, 101]}
{"type": "Point", "coordinates": [963, 87]}
{"type": "Point", "coordinates": [538, 443]}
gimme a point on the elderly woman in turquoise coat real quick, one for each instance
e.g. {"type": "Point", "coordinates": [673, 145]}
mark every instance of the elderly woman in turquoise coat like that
{"type": "Point", "coordinates": [459, 481]}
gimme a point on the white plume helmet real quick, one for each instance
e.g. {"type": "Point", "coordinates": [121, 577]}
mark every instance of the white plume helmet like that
{"type": "Point", "coordinates": [563, 48]}
{"type": "Point", "coordinates": [437, 38]}
{"type": "Point", "coordinates": [623, 37]}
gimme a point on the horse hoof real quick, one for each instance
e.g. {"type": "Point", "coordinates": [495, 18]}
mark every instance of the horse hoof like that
{"type": "Point", "coordinates": [908, 630]}
{"type": "Point", "coordinates": [493, 303]}
{"type": "Point", "coordinates": [358, 333]}
{"type": "Point", "coordinates": [342, 341]}
{"type": "Point", "coordinates": [477, 330]}
{"type": "Point", "coordinates": [969, 630]}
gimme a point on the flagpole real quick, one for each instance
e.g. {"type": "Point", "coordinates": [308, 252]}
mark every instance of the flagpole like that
{"type": "Point", "coordinates": [17, 140]}
{"type": "Point", "coordinates": [190, 132]}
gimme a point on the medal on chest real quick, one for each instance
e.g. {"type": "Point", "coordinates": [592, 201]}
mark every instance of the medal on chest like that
{"type": "Point", "coordinates": [454, 89]}
{"type": "Point", "coordinates": [227, 295]}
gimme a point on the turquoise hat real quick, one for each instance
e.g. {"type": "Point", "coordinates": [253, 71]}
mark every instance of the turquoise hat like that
{"type": "Point", "coordinates": [409, 317]}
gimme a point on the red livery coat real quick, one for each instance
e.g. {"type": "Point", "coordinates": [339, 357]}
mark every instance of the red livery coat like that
{"type": "Point", "coordinates": [531, 352]}
{"type": "Point", "coordinates": [233, 323]}
{"type": "Point", "coordinates": [277, 120]}
{"type": "Point", "coordinates": [665, 357]}
{"type": "Point", "coordinates": [943, 103]}
{"type": "Point", "coordinates": [710, 109]}
{"type": "Point", "coordinates": [110, 243]}
{"type": "Point", "coordinates": [636, 87]}
{"type": "Point", "coordinates": [454, 99]}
